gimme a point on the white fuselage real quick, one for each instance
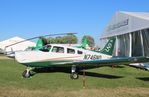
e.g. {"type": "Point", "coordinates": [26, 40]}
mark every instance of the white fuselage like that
{"type": "Point", "coordinates": [68, 53]}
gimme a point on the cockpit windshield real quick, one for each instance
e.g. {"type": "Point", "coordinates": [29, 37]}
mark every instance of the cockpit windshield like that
{"type": "Point", "coordinates": [46, 48]}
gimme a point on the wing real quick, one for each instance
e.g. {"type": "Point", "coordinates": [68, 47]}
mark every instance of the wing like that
{"type": "Point", "coordinates": [111, 61]}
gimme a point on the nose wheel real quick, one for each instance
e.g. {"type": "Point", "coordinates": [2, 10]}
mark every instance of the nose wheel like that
{"type": "Point", "coordinates": [26, 73]}
{"type": "Point", "coordinates": [74, 74]}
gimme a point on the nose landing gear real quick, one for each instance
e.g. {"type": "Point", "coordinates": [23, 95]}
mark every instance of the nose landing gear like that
{"type": "Point", "coordinates": [27, 73]}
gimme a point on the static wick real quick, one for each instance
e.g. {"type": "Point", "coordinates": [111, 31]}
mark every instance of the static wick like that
{"type": "Point", "coordinates": [84, 80]}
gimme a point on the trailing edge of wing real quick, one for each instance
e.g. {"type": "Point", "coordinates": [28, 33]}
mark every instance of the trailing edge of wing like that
{"type": "Point", "coordinates": [111, 61]}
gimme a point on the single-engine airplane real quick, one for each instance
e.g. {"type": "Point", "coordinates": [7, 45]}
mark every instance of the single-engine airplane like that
{"type": "Point", "coordinates": [56, 55]}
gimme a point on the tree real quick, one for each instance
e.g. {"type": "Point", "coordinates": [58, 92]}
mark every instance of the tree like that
{"type": "Point", "coordinates": [59, 40]}
{"type": "Point", "coordinates": [68, 39]}
{"type": "Point", "coordinates": [90, 40]}
{"type": "Point", "coordinates": [50, 40]}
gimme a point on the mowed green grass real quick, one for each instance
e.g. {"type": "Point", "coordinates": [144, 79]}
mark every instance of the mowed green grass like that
{"type": "Point", "coordinates": [123, 81]}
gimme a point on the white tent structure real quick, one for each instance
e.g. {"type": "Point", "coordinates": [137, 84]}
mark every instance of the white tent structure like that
{"type": "Point", "coordinates": [18, 47]}
{"type": "Point", "coordinates": [132, 31]}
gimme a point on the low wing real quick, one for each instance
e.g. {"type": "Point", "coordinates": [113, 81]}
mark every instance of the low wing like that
{"type": "Point", "coordinates": [90, 63]}
{"type": "Point", "coordinates": [111, 61]}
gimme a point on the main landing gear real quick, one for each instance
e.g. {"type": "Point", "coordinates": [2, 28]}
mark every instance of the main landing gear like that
{"type": "Point", "coordinates": [27, 73]}
{"type": "Point", "coordinates": [74, 74]}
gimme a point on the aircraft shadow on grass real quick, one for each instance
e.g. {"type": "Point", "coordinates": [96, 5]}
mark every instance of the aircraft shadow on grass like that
{"type": "Point", "coordinates": [143, 78]}
{"type": "Point", "coordinates": [67, 70]}
{"type": "Point", "coordinates": [116, 66]}
{"type": "Point", "coordinates": [99, 75]}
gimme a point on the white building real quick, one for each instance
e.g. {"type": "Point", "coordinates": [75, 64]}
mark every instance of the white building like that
{"type": "Point", "coordinates": [132, 33]}
{"type": "Point", "coordinates": [18, 47]}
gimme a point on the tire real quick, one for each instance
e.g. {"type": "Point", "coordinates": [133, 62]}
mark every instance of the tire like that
{"type": "Point", "coordinates": [74, 75]}
{"type": "Point", "coordinates": [26, 74]}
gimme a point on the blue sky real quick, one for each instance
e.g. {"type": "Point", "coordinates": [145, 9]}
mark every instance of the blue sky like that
{"type": "Point", "coordinates": [29, 18]}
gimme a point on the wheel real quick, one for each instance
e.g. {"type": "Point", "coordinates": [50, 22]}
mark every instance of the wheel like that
{"type": "Point", "coordinates": [74, 75]}
{"type": "Point", "coordinates": [26, 74]}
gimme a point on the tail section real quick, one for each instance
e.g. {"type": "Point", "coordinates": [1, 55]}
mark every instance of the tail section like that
{"type": "Point", "coordinates": [84, 43]}
{"type": "Point", "coordinates": [39, 43]}
{"type": "Point", "coordinates": [109, 47]}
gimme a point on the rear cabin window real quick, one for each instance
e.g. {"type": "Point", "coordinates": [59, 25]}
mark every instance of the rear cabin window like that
{"type": "Point", "coordinates": [79, 52]}
{"type": "Point", "coordinates": [70, 51]}
{"type": "Point", "coordinates": [57, 49]}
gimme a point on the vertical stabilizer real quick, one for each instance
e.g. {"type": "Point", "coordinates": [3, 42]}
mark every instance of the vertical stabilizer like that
{"type": "Point", "coordinates": [84, 43]}
{"type": "Point", "coordinates": [39, 43]}
{"type": "Point", "coordinates": [109, 47]}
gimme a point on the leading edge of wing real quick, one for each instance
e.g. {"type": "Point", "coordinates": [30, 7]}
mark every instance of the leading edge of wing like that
{"type": "Point", "coordinates": [111, 61]}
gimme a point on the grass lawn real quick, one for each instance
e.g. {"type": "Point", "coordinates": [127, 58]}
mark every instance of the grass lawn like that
{"type": "Point", "coordinates": [123, 81]}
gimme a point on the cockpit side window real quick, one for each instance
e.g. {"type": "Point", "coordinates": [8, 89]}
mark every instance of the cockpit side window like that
{"type": "Point", "coordinates": [57, 49]}
{"type": "Point", "coordinates": [70, 51]}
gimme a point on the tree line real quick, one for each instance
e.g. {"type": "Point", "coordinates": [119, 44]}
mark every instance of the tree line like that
{"type": "Point", "coordinates": [68, 39]}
